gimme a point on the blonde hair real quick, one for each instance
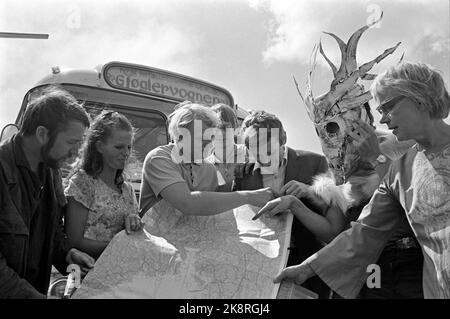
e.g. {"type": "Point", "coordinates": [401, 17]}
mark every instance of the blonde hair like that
{"type": "Point", "coordinates": [185, 113]}
{"type": "Point", "coordinates": [417, 81]}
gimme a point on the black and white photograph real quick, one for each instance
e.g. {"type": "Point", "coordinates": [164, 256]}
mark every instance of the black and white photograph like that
{"type": "Point", "coordinates": [245, 151]}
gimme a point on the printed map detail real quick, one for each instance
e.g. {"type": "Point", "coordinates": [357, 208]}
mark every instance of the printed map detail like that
{"type": "Point", "coordinates": [221, 256]}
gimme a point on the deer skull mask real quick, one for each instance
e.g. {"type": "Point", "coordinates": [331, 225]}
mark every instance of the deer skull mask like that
{"type": "Point", "coordinates": [333, 112]}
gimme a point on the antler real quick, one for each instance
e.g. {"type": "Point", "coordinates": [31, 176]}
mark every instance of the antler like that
{"type": "Point", "coordinates": [333, 67]}
{"type": "Point", "coordinates": [369, 65]}
{"type": "Point", "coordinates": [298, 90]}
{"type": "Point", "coordinates": [349, 73]}
{"type": "Point", "coordinates": [343, 47]}
{"type": "Point", "coordinates": [348, 53]}
{"type": "Point", "coordinates": [350, 62]}
{"type": "Point", "coordinates": [344, 86]}
{"type": "Point", "coordinates": [401, 58]}
{"type": "Point", "coordinates": [312, 64]}
{"type": "Point", "coordinates": [309, 106]}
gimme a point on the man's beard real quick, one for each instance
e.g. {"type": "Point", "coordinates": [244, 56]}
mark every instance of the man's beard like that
{"type": "Point", "coordinates": [50, 161]}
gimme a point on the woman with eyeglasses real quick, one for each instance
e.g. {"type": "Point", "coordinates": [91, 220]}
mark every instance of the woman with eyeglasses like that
{"type": "Point", "coordinates": [414, 102]}
{"type": "Point", "coordinates": [100, 202]}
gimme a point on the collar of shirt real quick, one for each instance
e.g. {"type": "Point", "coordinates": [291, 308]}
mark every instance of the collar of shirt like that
{"type": "Point", "coordinates": [35, 179]}
{"type": "Point", "coordinates": [282, 164]}
{"type": "Point", "coordinates": [19, 154]}
{"type": "Point", "coordinates": [419, 148]}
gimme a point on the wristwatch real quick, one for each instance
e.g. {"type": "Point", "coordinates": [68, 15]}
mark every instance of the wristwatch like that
{"type": "Point", "coordinates": [381, 159]}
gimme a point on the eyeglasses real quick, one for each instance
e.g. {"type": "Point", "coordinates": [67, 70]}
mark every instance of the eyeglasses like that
{"type": "Point", "coordinates": [107, 114]}
{"type": "Point", "coordinates": [386, 108]}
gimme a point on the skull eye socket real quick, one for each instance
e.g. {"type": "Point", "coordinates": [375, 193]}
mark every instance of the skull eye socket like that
{"type": "Point", "coordinates": [332, 128]}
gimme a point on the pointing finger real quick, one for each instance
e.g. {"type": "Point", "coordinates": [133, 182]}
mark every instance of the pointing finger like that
{"type": "Point", "coordinates": [268, 207]}
{"type": "Point", "coordinates": [281, 275]}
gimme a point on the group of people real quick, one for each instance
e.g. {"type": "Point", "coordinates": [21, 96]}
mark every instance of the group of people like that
{"type": "Point", "coordinates": [214, 165]}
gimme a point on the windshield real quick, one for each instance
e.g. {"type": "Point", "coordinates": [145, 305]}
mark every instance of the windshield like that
{"type": "Point", "coordinates": [150, 128]}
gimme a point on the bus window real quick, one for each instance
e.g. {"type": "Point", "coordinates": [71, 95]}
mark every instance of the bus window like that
{"type": "Point", "coordinates": [150, 132]}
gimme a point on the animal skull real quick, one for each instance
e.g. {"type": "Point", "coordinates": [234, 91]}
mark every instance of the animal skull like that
{"type": "Point", "coordinates": [333, 112]}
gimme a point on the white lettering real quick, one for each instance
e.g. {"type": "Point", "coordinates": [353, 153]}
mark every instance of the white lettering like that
{"type": "Point", "coordinates": [198, 141]}
{"type": "Point", "coordinates": [191, 309]}
{"type": "Point", "coordinates": [210, 134]}
{"type": "Point", "coordinates": [374, 279]}
{"type": "Point", "coordinates": [181, 152]}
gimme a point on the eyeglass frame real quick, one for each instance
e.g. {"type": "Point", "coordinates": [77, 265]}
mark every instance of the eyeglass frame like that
{"type": "Point", "coordinates": [389, 105]}
{"type": "Point", "coordinates": [107, 113]}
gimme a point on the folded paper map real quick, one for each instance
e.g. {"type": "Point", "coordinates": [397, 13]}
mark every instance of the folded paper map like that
{"type": "Point", "coordinates": [222, 256]}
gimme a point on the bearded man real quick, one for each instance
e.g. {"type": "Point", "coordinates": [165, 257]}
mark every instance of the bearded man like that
{"type": "Point", "coordinates": [31, 196]}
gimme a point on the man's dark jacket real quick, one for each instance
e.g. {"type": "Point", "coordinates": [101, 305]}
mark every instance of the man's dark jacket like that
{"type": "Point", "coordinates": [302, 166]}
{"type": "Point", "coordinates": [15, 231]}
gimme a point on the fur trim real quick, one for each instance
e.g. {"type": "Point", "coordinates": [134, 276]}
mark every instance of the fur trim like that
{"type": "Point", "coordinates": [324, 187]}
{"type": "Point", "coordinates": [354, 192]}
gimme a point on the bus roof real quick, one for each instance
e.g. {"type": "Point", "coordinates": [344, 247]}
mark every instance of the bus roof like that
{"type": "Point", "coordinates": [142, 80]}
{"type": "Point", "coordinates": [89, 77]}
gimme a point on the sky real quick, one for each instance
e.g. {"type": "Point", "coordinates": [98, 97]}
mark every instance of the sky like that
{"type": "Point", "coordinates": [252, 48]}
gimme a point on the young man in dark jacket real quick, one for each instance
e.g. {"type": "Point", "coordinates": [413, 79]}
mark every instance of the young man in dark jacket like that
{"type": "Point", "coordinates": [292, 167]}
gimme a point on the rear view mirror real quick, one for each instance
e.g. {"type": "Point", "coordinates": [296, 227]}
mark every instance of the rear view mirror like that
{"type": "Point", "coordinates": [8, 131]}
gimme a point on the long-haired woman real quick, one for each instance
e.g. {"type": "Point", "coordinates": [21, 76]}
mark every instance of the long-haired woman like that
{"type": "Point", "coordinates": [100, 202]}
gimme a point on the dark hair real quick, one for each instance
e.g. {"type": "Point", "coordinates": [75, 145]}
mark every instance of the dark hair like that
{"type": "Point", "coordinates": [262, 119]}
{"type": "Point", "coordinates": [53, 109]}
{"type": "Point", "coordinates": [226, 114]}
{"type": "Point", "coordinates": [102, 127]}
